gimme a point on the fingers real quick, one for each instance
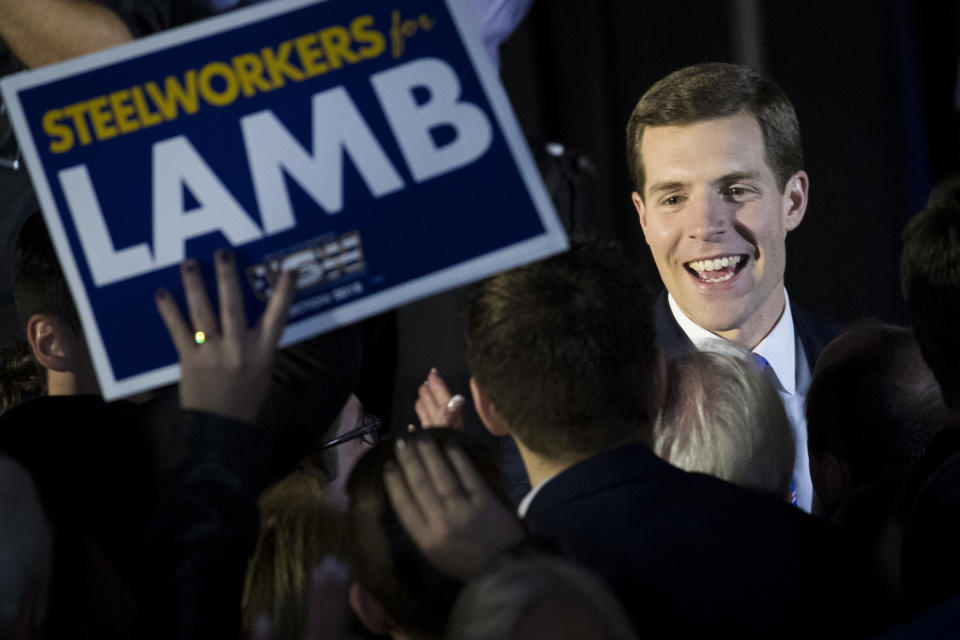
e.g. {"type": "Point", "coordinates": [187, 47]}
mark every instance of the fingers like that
{"type": "Point", "coordinates": [424, 415]}
{"type": "Point", "coordinates": [435, 406]}
{"type": "Point", "coordinates": [429, 409]}
{"type": "Point", "coordinates": [198, 304]}
{"type": "Point", "coordinates": [438, 388]}
{"type": "Point", "coordinates": [233, 319]}
{"type": "Point", "coordinates": [274, 317]}
{"type": "Point", "coordinates": [404, 505]}
{"type": "Point", "coordinates": [472, 483]}
{"type": "Point", "coordinates": [180, 333]}
{"type": "Point", "coordinates": [446, 483]}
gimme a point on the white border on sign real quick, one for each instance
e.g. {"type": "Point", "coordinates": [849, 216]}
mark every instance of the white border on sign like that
{"type": "Point", "coordinates": [552, 241]}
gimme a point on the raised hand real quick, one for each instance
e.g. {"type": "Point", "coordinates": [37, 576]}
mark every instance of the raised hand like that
{"type": "Point", "coordinates": [447, 509]}
{"type": "Point", "coordinates": [435, 406]}
{"type": "Point", "coordinates": [225, 366]}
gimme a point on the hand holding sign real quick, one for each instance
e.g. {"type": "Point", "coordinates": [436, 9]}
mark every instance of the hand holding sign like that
{"type": "Point", "coordinates": [225, 365]}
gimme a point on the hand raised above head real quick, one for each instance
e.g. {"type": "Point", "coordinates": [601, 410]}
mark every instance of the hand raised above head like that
{"type": "Point", "coordinates": [224, 366]}
{"type": "Point", "coordinates": [435, 406]}
{"type": "Point", "coordinates": [448, 510]}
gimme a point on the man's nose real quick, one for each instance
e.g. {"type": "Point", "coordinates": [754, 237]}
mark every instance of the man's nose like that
{"type": "Point", "coordinates": [709, 217]}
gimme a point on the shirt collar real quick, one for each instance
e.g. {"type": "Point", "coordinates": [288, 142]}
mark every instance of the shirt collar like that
{"type": "Point", "coordinates": [778, 347]}
{"type": "Point", "coordinates": [524, 505]}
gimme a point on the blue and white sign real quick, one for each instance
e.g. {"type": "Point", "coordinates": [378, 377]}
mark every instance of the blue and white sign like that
{"type": "Point", "coordinates": [369, 145]}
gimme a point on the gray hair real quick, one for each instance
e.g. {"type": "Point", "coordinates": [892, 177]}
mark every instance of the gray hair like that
{"type": "Point", "coordinates": [722, 417]}
{"type": "Point", "coordinates": [493, 605]}
{"type": "Point", "coordinates": [26, 544]}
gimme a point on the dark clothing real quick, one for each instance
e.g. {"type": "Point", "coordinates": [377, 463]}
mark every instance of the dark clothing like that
{"type": "Point", "coordinates": [155, 507]}
{"type": "Point", "coordinates": [693, 556]}
{"type": "Point", "coordinates": [814, 333]}
{"type": "Point", "coordinates": [204, 527]}
{"type": "Point", "coordinates": [918, 549]}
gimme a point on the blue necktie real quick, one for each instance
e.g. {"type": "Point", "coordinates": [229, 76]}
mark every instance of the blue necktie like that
{"type": "Point", "coordinates": [760, 361]}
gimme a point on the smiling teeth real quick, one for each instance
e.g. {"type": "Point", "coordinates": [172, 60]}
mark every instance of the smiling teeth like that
{"type": "Point", "coordinates": [720, 279]}
{"type": "Point", "coordinates": [715, 265]}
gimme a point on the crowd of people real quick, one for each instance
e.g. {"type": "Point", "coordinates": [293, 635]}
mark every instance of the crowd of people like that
{"type": "Point", "coordinates": [704, 459]}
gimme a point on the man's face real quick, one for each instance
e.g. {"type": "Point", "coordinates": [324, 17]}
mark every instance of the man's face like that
{"type": "Point", "coordinates": [716, 223]}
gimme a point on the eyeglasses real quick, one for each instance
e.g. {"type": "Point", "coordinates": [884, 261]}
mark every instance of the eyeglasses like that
{"type": "Point", "coordinates": [369, 429]}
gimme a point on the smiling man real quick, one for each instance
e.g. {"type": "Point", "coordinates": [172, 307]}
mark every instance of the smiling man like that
{"type": "Point", "coordinates": [715, 154]}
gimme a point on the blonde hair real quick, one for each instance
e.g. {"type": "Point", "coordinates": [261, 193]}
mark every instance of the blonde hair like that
{"type": "Point", "coordinates": [297, 530]}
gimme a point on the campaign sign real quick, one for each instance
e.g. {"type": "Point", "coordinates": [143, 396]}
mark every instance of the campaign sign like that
{"type": "Point", "coordinates": [367, 145]}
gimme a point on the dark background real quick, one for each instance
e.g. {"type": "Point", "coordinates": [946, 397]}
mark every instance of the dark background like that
{"type": "Point", "coordinates": [875, 86]}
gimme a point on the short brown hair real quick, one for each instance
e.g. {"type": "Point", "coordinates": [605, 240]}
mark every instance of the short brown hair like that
{"type": "Point", "coordinates": [719, 90]}
{"type": "Point", "coordinates": [38, 282]}
{"type": "Point", "coordinates": [565, 349]}
{"type": "Point", "coordinates": [930, 277]}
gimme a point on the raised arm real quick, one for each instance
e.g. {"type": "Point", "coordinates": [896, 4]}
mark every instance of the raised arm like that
{"type": "Point", "coordinates": [41, 32]}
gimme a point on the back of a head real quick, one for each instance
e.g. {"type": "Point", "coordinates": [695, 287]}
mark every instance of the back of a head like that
{"type": "Point", "coordinates": [38, 282]}
{"type": "Point", "coordinates": [722, 417]}
{"type": "Point", "coordinates": [873, 404]}
{"type": "Point", "coordinates": [384, 559]}
{"type": "Point", "coordinates": [26, 548]}
{"type": "Point", "coordinates": [718, 90]}
{"type": "Point", "coordinates": [297, 530]}
{"type": "Point", "coordinates": [537, 597]}
{"type": "Point", "coordinates": [930, 277]}
{"type": "Point", "coordinates": [565, 348]}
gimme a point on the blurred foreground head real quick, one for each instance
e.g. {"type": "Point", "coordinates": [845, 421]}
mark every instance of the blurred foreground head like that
{"type": "Point", "coordinates": [538, 596]}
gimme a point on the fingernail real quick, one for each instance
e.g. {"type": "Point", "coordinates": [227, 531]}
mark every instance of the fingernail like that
{"type": "Point", "coordinates": [455, 402]}
{"type": "Point", "coordinates": [390, 467]}
{"type": "Point", "coordinates": [411, 428]}
{"type": "Point", "coordinates": [223, 255]}
{"type": "Point", "coordinates": [401, 444]}
{"type": "Point", "coordinates": [190, 265]}
{"type": "Point", "coordinates": [433, 370]}
{"type": "Point", "coordinates": [161, 294]}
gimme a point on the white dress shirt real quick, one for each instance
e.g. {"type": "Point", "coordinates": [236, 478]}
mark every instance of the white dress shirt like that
{"type": "Point", "coordinates": [782, 349]}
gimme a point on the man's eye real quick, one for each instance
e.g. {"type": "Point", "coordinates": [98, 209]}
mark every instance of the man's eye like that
{"type": "Point", "coordinates": [672, 201]}
{"type": "Point", "coordinates": [737, 191]}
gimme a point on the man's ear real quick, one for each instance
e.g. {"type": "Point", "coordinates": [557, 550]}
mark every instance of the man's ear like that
{"type": "Point", "coordinates": [48, 342]}
{"type": "Point", "coordinates": [369, 610]}
{"type": "Point", "coordinates": [641, 210]}
{"type": "Point", "coordinates": [795, 195]}
{"type": "Point", "coordinates": [488, 413]}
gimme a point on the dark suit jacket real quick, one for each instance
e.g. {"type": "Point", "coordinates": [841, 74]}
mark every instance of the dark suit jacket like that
{"type": "Point", "coordinates": [693, 556]}
{"type": "Point", "coordinates": [814, 332]}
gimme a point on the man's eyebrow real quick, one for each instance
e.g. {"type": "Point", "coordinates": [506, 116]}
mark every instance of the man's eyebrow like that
{"type": "Point", "coordinates": [661, 187]}
{"type": "Point", "coordinates": [737, 176]}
